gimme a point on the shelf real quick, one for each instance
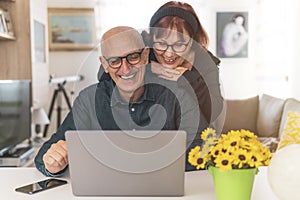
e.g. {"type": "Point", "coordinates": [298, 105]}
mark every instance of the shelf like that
{"type": "Point", "coordinates": [4, 36]}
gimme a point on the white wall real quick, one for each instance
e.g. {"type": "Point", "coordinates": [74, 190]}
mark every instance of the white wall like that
{"type": "Point", "coordinates": [40, 69]}
{"type": "Point", "coordinates": [293, 46]}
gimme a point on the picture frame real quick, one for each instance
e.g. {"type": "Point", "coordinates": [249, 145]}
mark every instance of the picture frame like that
{"type": "Point", "coordinates": [8, 23]}
{"type": "Point", "coordinates": [39, 42]}
{"type": "Point", "coordinates": [232, 34]}
{"type": "Point", "coordinates": [71, 29]}
{"type": "Point", "coordinates": [3, 27]}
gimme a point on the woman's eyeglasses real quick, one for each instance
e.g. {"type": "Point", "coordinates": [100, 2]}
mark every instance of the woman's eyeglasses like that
{"type": "Point", "coordinates": [176, 47]}
{"type": "Point", "coordinates": [132, 59]}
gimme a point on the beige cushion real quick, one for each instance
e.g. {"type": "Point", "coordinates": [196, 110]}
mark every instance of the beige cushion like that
{"type": "Point", "coordinates": [289, 105]}
{"type": "Point", "coordinates": [269, 116]}
{"type": "Point", "coordinates": [241, 114]}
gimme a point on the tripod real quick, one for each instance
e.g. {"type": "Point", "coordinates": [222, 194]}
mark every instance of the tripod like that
{"type": "Point", "coordinates": [60, 89]}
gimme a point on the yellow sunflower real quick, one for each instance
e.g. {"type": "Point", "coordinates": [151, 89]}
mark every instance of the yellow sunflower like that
{"type": "Point", "coordinates": [232, 143]}
{"type": "Point", "coordinates": [256, 160]}
{"type": "Point", "coordinates": [202, 159]}
{"type": "Point", "coordinates": [224, 161]}
{"type": "Point", "coordinates": [216, 151]}
{"type": "Point", "coordinates": [193, 155]}
{"type": "Point", "coordinates": [197, 158]}
{"type": "Point", "coordinates": [241, 158]}
{"type": "Point", "coordinates": [208, 134]}
{"type": "Point", "coordinates": [247, 134]}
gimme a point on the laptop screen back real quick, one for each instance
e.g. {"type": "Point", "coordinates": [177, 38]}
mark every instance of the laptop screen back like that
{"type": "Point", "coordinates": [127, 163]}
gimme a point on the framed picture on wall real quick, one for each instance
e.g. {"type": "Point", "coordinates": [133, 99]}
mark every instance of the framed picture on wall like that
{"type": "Point", "coordinates": [8, 23]}
{"type": "Point", "coordinates": [3, 28]}
{"type": "Point", "coordinates": [232, 34]}
{"type": "Point", "coordinates": [71, 29]}
{"type": "Point", "coordinates": [39, 42]}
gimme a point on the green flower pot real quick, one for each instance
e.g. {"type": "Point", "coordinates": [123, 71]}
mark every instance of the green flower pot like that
{"type": "Point", "coordinates": [233, 184]}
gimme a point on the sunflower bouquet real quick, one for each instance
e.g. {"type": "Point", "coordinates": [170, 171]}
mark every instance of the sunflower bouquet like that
{"type": "Point", "coordinates": [238, 149]}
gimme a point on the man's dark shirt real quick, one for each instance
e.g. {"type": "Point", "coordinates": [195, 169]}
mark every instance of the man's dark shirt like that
{"type": "Point", "coordinates": [99, 107]}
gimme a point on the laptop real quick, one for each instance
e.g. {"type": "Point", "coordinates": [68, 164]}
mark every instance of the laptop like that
{"type": "Point", "coordinates": [127, 163]}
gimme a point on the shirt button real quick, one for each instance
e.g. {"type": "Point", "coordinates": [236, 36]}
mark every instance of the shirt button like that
{"type": "Point", "coordinates": [132, 109]}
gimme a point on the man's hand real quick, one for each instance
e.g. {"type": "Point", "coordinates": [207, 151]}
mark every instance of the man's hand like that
{"type": "Point", "coordinates": [56, 158]}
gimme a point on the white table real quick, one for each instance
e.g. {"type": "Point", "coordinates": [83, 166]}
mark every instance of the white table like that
{"type": "Point", "coordinates": [198, 185]}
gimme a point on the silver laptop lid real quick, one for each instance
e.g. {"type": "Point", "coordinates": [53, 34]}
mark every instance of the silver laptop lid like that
{"type": "Point", "coordinates": [127, 163]}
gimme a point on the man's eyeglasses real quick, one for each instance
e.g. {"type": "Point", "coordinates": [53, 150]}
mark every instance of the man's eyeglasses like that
{"type": "Point", "coordinates": [176, 47]}
{"type": "Point", "coordinates": [132, 59]}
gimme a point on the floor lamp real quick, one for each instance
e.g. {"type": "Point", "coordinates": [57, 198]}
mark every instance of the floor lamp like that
{"type": "Point", "coordinates": [39, 119]}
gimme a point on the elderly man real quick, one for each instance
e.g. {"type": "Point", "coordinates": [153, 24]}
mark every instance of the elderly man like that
{"type": "Point", "coordinates": [131, 100]}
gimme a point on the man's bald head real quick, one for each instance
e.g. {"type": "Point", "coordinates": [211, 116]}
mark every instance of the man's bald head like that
{"type": "Point", "coordinates": [120, 40]}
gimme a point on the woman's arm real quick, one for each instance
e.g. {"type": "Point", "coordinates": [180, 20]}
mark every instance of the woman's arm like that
{"type": "Point", "coordinates": [204, 81]}
{"type": "Point", "coordinates": [172, 74]}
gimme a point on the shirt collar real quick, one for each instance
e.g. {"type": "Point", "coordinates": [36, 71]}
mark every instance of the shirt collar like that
{"type": "Point", "coordinates": [148, 95]}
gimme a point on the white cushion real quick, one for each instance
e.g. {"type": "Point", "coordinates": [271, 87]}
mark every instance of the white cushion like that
{"type": "Point", "coordinates": [269, 116]}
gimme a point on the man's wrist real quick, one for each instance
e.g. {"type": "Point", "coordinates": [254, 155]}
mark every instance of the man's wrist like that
{"type": "Point", "coordinates": [47, 173]}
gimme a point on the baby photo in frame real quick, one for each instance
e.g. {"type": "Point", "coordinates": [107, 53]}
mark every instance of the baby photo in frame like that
{"type": "Point", "coordinates": [232, 34]}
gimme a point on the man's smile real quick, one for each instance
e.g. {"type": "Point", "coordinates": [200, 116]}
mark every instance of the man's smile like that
{"type": "Point", "coordinates": [130, 76]}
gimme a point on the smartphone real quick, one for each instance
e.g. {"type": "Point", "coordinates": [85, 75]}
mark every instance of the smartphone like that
{"type": "Point", "coordinates": [41, 186]}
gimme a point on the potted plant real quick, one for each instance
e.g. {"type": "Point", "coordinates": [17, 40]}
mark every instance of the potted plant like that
{"type": "Point", "coordinates": [232, 159]}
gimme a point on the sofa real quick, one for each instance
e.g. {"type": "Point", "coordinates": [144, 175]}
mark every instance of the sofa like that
{"type": "Point", "coordinates": [264, 115]}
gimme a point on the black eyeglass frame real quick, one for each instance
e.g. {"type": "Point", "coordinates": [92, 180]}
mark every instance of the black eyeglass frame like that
{"type": "Point", "coordinates": [172, 46]}
{"type": "Point", "coordinates": [126, 57]}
